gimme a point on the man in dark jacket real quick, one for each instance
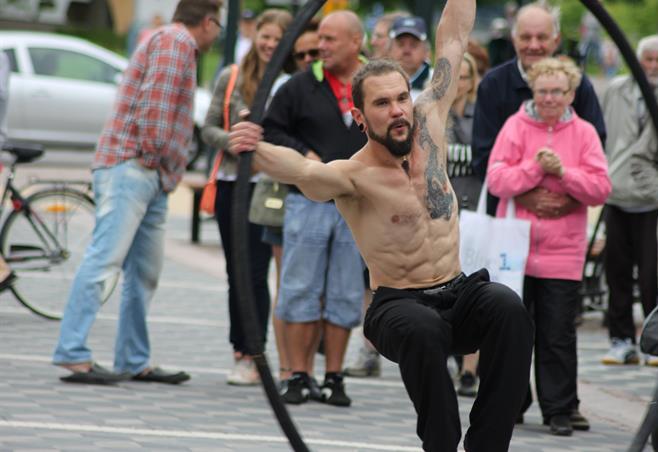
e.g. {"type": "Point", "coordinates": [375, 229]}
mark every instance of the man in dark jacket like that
{"type": "Point", "coordinates": [321, 282]}
{"type": "Point", "coordinates": [536, 35]}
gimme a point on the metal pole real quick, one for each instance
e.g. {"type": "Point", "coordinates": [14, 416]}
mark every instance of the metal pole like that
{"type": "Point", "coordinates": [231, 34]}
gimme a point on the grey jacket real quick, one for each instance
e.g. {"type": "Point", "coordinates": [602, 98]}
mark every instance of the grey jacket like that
{"type": "Point", "coordinates": [213, 132]}
{"type": "Point", "coordinates": [631, 148]}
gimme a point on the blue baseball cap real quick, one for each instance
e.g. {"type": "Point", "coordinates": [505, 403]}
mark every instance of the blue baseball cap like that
{"type": "Point", "coordinates": [414, 26]}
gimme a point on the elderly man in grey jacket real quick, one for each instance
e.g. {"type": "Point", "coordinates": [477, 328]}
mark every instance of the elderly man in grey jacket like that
{"type": "Point", "coordinates": [632, 208]}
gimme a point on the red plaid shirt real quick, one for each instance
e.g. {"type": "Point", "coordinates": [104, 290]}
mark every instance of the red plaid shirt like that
{"type": "Point", "coordinates": [152, 119]}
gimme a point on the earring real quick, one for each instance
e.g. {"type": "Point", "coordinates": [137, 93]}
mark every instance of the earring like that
{"type": "Point", "coordinates": [362, 128]}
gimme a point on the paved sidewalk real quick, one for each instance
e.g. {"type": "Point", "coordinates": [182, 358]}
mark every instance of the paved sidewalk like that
{"type": "Point", "coordinates": [189, 330]}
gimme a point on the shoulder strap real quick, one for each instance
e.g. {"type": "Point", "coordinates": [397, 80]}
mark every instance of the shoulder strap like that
{"type": "Point", "coordinates": [227, 95]}
{"type": "Point", "coordinates": [227, 120]}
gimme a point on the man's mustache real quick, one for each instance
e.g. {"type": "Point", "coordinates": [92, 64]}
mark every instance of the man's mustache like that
{"type": "Point", "coordinates": [399, 122]}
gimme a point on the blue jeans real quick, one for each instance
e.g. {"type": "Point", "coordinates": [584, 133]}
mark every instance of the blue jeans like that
{"type": "Point", "coordinates": [131, 210]}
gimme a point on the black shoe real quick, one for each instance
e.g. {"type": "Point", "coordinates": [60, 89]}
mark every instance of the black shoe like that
{"type": "Point", "coordinates": [296, 390]}
{"type": "Point", "coordinates": [96, 375]}
{"type": "Point", "coordinates": [578, 421]}
{"type": "Point", "coordinates": [468, 385]}
{"type": "Point", "coordinates": [333, 391]}
{"type": "Point", "coordinates": [315, 393]}
{"type": "Point", "coordinates": [560, 425]}
{"type": "Point", "coordinates": [158, 375]}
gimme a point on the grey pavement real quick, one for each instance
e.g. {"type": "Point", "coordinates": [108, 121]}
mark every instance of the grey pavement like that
{"type": "Point", "coordinates": [189, 330]}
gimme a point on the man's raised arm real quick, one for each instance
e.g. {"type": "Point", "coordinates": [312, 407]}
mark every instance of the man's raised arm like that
{"type": "Point", "coordinates": [318, 181]}
{"type": "Point", "coordinates": [451, 42]}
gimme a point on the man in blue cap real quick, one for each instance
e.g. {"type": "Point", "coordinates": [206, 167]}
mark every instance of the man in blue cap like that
{"type": "Point", "coordinates": [410, 48]}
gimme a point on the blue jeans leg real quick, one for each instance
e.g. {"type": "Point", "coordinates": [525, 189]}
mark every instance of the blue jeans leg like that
{"type": "Point", "coordinates": [123, 194]}
{"type": "Point", "coordinates": [141, 271]}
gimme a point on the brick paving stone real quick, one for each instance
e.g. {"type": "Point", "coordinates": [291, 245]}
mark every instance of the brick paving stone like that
{"type": "Point", "coordinates": [188, 324]}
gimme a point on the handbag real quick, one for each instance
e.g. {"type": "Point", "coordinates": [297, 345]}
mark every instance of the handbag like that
{"type": "Point", "coordinates": [500, 245]}
{"type": "Point", "coordinates": [267, 202]}
{"type": "Point", "coordinates": [209, 194]}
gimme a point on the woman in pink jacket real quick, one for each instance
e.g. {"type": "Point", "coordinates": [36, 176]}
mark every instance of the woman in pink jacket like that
{"type": "Point", "coordinates": [546, 149]}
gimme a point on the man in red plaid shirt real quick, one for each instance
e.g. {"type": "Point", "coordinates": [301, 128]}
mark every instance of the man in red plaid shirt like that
{"type": "Point", "coordinates": [140, 157]}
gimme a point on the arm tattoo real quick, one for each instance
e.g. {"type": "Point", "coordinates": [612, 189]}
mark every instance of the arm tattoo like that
{"type": "Point", "coordinates": [441, 79]}
{"type": "Point", "coordinates": [439, 199]}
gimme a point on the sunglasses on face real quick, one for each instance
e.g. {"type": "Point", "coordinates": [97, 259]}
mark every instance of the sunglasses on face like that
{"type": "Point", "coordinates": [313, 53]}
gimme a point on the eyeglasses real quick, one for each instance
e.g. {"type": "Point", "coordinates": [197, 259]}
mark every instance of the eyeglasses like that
{"type": "Point", "coordinates": [215, 20]}
{"type": "Point", "coordinates": [553, 92]}
{"type": "Point", "coordinates": [313, 53]}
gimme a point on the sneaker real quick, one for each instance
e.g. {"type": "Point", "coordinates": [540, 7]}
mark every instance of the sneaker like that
{"type": "Point", "coordinates": [244, 373]}
{"type": "Point", "coordinates": [560, 425]}
{"type": "Point", "coordinates": [296, 390]}
{"type": "Point", "coordinates": [367, 364]}
{"type": "Point", "coordinates": [650, 360]}
{"type": "Point", "coordinates": [468, 385]}
{"type": "Point", "coordinates": [333, 391]}
{"type": "Point", "coordinates": [622, 351]}
{"type": "Point", "coordinates": [578, 421]}
{"type": "Point", "coordinates": [315, 392]}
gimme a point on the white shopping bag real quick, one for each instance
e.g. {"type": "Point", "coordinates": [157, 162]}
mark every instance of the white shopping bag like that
{"type": "Point", "coordinates": [500, 245]}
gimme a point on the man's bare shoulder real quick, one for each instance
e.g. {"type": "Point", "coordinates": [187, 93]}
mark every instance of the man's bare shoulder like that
{"type": "Point", "coordinates": [349, 167]}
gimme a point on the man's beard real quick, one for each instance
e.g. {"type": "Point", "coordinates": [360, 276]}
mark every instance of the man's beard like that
{"type": "Point", "coordinates": [395, 147]}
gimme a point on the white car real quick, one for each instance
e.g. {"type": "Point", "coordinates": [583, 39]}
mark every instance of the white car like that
{"type": "Point", "coordinates": [62, 89]}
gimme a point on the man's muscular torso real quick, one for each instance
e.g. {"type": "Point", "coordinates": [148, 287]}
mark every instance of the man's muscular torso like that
{"type": "Point", "coordinates": [406, 225]}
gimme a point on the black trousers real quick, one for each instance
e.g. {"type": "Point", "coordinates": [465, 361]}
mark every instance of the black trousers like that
{"type": "Point", "coordinates": [419, 331]}
{"type": "Point", "coordinates": [553, 303]}
{"type": "Point", "coordinates": [261, 254]}
{"type": "Point", "coordinates": [631, 240]}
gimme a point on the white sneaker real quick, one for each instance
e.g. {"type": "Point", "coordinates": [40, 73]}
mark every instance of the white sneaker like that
{"type": "Point", "coordinates": [367, 364]}
{"type": "Point", "coordinates": [650, 360]}
{"type": "Point", "coordinates": [622, 351]}
{"type": "Point", "coordinates": [244, 373]}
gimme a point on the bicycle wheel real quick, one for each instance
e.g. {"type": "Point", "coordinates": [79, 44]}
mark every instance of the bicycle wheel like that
{"type": "Point", "coordinates": [44, 242]}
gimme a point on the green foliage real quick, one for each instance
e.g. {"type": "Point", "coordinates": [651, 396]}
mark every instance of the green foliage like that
{"type": "Point", "coordinates": [254, 5]}
{"type": "Point", "coordinates": [103, 37]}
{"type": "Point", "coordinates": [636, 18]}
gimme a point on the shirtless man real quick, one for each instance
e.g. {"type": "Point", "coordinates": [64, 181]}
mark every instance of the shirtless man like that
{"type": "Point", "coordinates": [397, 200]}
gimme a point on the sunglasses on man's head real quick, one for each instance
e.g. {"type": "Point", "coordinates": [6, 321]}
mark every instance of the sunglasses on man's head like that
{"type": "Point", "coordinates": [313, 53]}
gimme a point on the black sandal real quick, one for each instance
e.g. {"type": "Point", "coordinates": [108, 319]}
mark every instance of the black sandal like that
{"type": "Point", "coordinates": [158, 375]}
{"type": "Point", "coordinates": [96, 375]}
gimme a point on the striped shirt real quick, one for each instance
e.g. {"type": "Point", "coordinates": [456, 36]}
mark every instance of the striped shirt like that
{"type": "Point", "coordinates": [152, 119]}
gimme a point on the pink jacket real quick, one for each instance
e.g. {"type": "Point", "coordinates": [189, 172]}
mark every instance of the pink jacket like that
{"type": "Point", "coordinates": [557, 246]}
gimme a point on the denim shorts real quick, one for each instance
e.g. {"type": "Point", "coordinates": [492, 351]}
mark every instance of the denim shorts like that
{"type": "Point", "coordinates": [320, 261]}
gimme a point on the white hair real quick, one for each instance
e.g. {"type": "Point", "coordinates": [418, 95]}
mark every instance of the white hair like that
{"type": "Point", "coordinates": [554, 12]}
{"type": "Point", "coordinates": [647, 43]}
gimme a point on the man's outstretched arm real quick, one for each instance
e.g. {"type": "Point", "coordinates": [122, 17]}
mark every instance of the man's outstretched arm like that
{"type": "Point", "coordinates": [318, 181]}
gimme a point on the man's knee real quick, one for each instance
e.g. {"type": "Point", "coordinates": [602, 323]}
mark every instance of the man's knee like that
{"type": "Point", "coordinates": [428, 335]}
{"type": "Point", "coordinates": [508, 307]}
